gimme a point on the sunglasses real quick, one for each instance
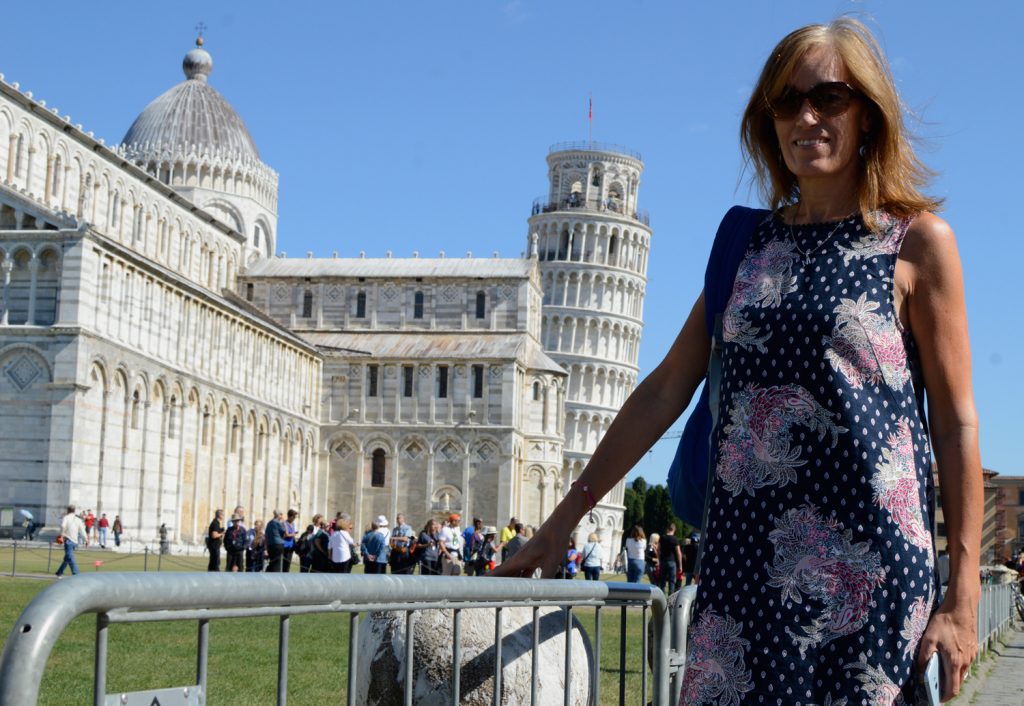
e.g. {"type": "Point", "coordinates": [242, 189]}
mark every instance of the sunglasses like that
{"type": "Point", "coordinates": [827, 100]}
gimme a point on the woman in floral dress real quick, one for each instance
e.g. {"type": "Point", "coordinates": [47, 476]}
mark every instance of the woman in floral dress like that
{"type": "Point", "coordinates": [818, 580]}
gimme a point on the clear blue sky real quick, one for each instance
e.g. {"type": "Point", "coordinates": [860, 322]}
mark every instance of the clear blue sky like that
{"type": "Point", "coordinates": [424, 126]}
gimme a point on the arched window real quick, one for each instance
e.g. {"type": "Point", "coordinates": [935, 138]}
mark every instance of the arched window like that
{"type": "Point", "coordinates": [256, 236]}
{"type": "Point", "coordinates": [172, 421]}
{"type": "Point", "coordinates": [481, 305]}
{"type": "Point", "coordinates": [361, 305]}
{"type": "Point", "coordinates": [417, 306]}
{"type": "Point", "coordinates": [307, 304]}
{"type": "Point", "coordinates": [536, 392]}
{"type": "Point", "coordinates": [377, 470]}
{"type": "Point", "coordinates": [478, 381]}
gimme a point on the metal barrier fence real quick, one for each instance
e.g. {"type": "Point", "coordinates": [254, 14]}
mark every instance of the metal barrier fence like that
{"type": "Point", "coordinates": [140, 597]}
{"type": "Point", "coordinates": [28, 558]}
{"type": "Point", "coordinates": [995, 612]}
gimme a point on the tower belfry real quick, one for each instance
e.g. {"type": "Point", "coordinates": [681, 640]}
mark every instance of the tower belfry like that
{"type": "Point", "coordinates": [592, 242]}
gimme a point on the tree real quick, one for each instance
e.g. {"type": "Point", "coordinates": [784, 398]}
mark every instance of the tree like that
{"type": "Point", "coordinates": [657, 513]}
{"type": "Point", "coordinates": [640, 485]}
{"type": "Point", "coordinates": [634, 514]}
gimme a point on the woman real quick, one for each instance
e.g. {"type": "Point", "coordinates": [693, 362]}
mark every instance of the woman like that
{"type": "Point", "coordinates": [652, 559]}
{"type": "Point", "coordinates": [303, 547]}
{"type": "Point", "coordinates": [320, 559]}
{"type": "Point", "coordinates": [342, 545]}
{"type": "Point", "coordinates": [591, 558]}
{"type": "Point", "coordinates": [636, 551]}
{"type": "Point", "coordinates": [426, 548]}
{"type": "Point", "coordinates": [847, 306]}
{"type": "Point", "coordinates": [256, 552]}
{"type": "Point", "coordinates": [572, 560]}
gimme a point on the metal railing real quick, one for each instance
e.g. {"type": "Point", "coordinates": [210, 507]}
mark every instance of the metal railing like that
{"type": "Point", "coordinates": [995, 613]}
{"type": "Point", "coordinates": [541, 204]}
{"type": "Point", "coordinates": [36, 557]}
{"type": "Point", "coordinates": [594, 146]}
{"type": "Point", "coordinates": [137, 598]}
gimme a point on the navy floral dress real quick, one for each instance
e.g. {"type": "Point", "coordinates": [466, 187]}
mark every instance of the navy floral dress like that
{"type": "Point", "coordinates": [818, 573]}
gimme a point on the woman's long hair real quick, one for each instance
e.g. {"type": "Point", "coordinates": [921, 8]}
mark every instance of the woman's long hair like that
{"type": "Point", "coordinates": [891, 176]}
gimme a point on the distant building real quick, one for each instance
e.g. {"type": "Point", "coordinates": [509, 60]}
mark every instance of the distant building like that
{"type": "Point", "coordinates": [159, 361]}
{"type": "Point", "coordinates": [1010, 521]}
{"type": "Point", "coordinates": [991, 544]}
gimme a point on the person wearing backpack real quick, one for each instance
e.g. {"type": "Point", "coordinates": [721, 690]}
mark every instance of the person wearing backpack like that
{"type": "Point", "coordinates": [236, 539]}
{"type": "Point", "coordinates": [846, 311]}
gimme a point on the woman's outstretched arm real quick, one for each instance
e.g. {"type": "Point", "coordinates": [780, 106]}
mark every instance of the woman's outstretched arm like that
{"type": "Point", "coordinates": [652, 408]}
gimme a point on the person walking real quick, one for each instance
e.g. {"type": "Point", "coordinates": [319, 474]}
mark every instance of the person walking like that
{"type": "Point", "coordinates": [846, 311]}
{"type": "Point", "coordinates": [71, 530]}
{"type": "Point", "coordinates": [104, 525]}
{"type": "Point", "coordinates": [118, 530]}
{"type": "Point", "coordinates": [636, 548]}
{"type": "Point", "coordinates": [450, 546]}
{"type": "Point", "coordinates": [275, 535]}
{"type": "Point", "coordinates": [592, 558]}
{"type": "Point", "coordinates": [214, 539]}
{"type": "Point", "coordinates": [670, 559]}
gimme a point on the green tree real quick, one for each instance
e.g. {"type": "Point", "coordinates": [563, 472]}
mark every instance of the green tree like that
{"type": "Point", "coordinates": [634, 515]}
{"type": "Point", "coordinates": [640, 486]}
{"type": "Point", "coordinates": [657, 513]}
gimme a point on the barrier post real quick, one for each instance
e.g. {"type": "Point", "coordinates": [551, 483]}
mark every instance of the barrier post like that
{"type": "Point", "coordinates": [49, 559]}
{"type": "Point", "coordinates": [14, 558]}
{"type": "Point", "coordinates": [145, 558]}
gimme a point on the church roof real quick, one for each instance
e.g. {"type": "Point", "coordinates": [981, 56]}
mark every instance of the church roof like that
{"type": "Point", "coordinates": [191, 113]}
{"type": "Point", "coordinates": [388, 268]}
{"type": "Point", "coordinates": [433, 345]}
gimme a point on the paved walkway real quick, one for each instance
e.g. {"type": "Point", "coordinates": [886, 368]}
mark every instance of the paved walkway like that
{"type": "Point", "coordinates": [1003, 682]}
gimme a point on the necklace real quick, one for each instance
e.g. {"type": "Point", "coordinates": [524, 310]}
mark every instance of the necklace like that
{"type": "Point", "coordinates": [806, 255]}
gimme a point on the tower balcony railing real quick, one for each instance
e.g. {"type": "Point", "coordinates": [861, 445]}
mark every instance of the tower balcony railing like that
{"type": "Point", "coordinates": [575, 202]}
{"type": "Point", "coordinates": [592, 146]}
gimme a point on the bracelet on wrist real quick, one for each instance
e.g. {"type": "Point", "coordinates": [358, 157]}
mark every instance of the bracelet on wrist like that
{"type": "Point", "coordinates": [591, 503]}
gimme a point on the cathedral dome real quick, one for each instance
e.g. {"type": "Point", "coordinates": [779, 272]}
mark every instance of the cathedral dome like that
{"type": "Point", "coordinates": [191, 113]}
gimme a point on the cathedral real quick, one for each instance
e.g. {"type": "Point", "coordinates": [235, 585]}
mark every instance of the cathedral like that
{"type": "Point", "coordinates": [160, 359]}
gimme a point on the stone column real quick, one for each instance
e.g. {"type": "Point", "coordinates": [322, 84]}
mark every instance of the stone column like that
{"type": "Point", "coordinates": [12, 156]}
{"type": "Point", "coordinates": [33, 268]}
{"type": "Point", "coordinates": [7, 266]}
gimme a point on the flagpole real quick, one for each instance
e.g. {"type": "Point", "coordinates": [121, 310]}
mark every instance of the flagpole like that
{"type": "Point", "coordinates": [590, 121]}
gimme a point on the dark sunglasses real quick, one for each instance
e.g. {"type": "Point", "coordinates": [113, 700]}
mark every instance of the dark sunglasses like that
{"type": "Point", "coordinates": [827, 100]}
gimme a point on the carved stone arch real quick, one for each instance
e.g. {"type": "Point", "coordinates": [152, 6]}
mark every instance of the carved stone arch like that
{"type": "Point", "coordinates": [98, 372]}
{"type": "Point", "coordinates": [52, 248]}
{"type": "Point", "coordinates": [335, 441]}
{"type": "Point", "coordinates": [379, 441]}
{"type": "Point", "coordinates": [13, 353]}
{"type": "Point", "coordinates": [226, 212]}
{"type": "Point", "coordinates": [141, 383]}
{"type": "Point", "coordinates": [534, 473]}
{"type": "Point", "coordinates": [6, 120]}
{"type": "Point", "coordinates": [266, 245]}
{"type": "Point", "coordinates": [18, 248]}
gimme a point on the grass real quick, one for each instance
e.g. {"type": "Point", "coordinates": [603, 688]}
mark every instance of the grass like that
{"type": "Point", "coordinates": [243, 654]}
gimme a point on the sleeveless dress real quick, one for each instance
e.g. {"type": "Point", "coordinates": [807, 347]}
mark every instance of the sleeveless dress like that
{"type": "Point", "coordinates": [818, 573]}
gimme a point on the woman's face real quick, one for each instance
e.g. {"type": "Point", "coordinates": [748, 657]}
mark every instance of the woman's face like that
{"type": "Point", "coordinates": [816, 147]}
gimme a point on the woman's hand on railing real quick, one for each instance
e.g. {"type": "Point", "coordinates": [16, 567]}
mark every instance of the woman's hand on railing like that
{"type": "Point", "coordinates": [544, 551]}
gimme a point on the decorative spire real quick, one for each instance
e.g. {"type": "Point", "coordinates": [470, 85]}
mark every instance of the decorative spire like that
{"type": "Point", "coordinates": [198, 63]}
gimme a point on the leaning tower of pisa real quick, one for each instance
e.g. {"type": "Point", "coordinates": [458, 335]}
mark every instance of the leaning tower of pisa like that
{"type": "Point", "coordinates": [592, 242]}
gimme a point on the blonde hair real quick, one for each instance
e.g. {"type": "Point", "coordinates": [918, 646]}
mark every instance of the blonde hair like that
{"type": "Point", "coordinates": [891, 176]}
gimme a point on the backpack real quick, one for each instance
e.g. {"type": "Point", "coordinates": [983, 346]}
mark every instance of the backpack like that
{"type": "Point", "coordinates": [688, 474]}
{"type": "Point", "coordinates": [235, 539]}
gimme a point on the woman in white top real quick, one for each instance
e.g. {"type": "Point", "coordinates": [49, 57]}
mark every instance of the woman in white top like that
{"type": "Point", "coordinates": [592, 557]}
{"type": "Point", "coordinates": [340, 545]}
{"type": "Point", "coordinates": [636, 546]}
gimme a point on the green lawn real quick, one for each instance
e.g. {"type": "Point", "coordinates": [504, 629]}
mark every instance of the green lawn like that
{"type": "Point", "coordinates": [243, 654]}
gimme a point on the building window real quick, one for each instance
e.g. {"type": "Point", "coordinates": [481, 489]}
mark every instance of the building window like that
{"type": "Point", "coordinates": [481, 305]}
{"type": "Point", "coordinates": [206, 426]}
{"type": "Point", "coordinates": [135, 410]}
{"type": "Point", "coordinates": [478, 381]}
{"type": "Point", "coordinates": [536, 392]}
{"type": "Point", "coordinates": [377, 471]}
{"type": "Point", "coordinates": [1020, 496]}
{"type": "Point", "coordinates": [372, 372]}
{"type": "Point", "coordinates": [249, 291]}
{"type": "Point", "coordinates": [1020, 527]}
{"type": "Point", "coordinates": [417, 306]}
{"type": "Point", "coordinates": [307, 304]}
{"type": "Point", "coordinates": [940, 529]}
{"type": "Point", "coordinates": [407, 378]}
{"type": "Point", "coordinates": [442, 381]}
{"type": "Point", "coordinates": [361, 305]}
{"type": "Point", "coordinates": [256, 236]}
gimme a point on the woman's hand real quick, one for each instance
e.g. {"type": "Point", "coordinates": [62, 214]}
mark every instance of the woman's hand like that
{"type": "Point", "coordinates": [952, 632]}
{"type": "Point", "coordinates": [544, 551]}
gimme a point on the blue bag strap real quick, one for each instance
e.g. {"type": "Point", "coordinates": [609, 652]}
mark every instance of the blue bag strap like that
{"type": "Point", "coordinates": [688, 477]}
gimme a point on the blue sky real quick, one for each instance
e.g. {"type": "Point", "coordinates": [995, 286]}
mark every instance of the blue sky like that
{"type": "Point", "coordinates": [424, 126]}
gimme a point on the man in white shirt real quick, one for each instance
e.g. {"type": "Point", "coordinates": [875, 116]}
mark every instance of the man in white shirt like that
{"type": "Point", "coordinates": [71, 528]}
{"type": "Point", "coordinates": [450, 546]}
